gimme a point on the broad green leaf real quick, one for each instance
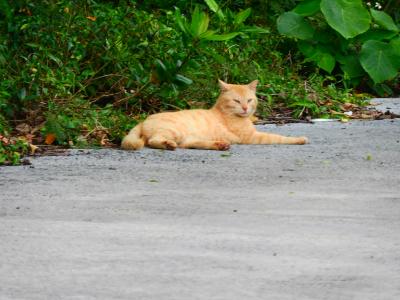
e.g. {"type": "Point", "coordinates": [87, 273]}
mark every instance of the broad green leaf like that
{"type": "Point", "coordinates": [215, 8]}
{"type": "Point", "coordinates": [294, 25]}
{"type": "Point", "coordinates": [377, 35]}
{"type": "Point", "coordinates": [379, 60]}
{"type": "Point", "coordinates": [384, 20]}
{"type": "Point", "coordinates": [348, 17]}
{"type": "Point", "coordinates": [307, 8]}
{"type": "Point", "coordinates": [326, 62]}
{"type": "Point", "coordinates": [395, 44]}
{"type": "Point", "coordinates": [222, 37]}
{"type": "Point", "coordinates": [326, 37]}
{"type": "Point", "coordinates": [307, 48]}
{"type": "Point", "coordinates": [242, 16]}
{"type": "Point", "coordinates": [350, 65]}
{"type": "Point", "coordinates": [318, 54]}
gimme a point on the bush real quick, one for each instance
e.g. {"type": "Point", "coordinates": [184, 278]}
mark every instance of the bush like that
{"type": "Point", "coordinates": [345, 37]}
{"type": "Point", "coordinates": [82, 73]}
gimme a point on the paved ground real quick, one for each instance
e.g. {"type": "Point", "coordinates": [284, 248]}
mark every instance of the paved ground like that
{"type": "Point", "coordinates": [320, 221]}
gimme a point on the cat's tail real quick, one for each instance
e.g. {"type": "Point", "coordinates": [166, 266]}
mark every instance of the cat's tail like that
{"type": "Point", "coordinates": [133, 140]}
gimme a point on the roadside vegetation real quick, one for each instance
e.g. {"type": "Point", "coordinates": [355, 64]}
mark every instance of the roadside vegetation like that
{"type": "Point", "coordinates": [81, 73]}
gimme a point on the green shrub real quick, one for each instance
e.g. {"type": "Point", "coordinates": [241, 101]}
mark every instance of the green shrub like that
{"type": "Point", "coordinates": [11, 150]}
{"type": "Point", "coordinates": [346, 36]}
{"type": "Point", "coordinates": [81, 73]}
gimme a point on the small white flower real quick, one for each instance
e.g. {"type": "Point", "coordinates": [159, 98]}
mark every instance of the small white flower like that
{"type": "Point", "coordinates": [368, 3]}
{"type": "Point", "coordinates": [378, 5]}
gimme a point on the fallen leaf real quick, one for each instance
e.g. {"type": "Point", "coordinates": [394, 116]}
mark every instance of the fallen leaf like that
{"type": "Point", "coordinates": [91, 18]}
{"type": "Point", "coordinates": [50, 138]}
{"type": "Point", "coordinates": [365, 116]}
{"type": "Point", "coordinates": [33, 148]}
{"type": "Point", "coordinates": [349, 106]}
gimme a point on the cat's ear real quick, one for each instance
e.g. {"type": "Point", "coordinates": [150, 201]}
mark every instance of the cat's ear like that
{"type": "Point", "coordinates": [223, 85]}
{"type": "Point", "coordinates": [253, 85]}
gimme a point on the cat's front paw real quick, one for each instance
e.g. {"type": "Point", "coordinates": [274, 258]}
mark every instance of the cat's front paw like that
{"type": "Point", "coordinates": [170, 145]}
{"type": "Point", "coordinates": [222, 146]}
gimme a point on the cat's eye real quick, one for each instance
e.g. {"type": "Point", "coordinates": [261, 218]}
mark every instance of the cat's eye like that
{"type": "Point", "coordinates": [236, 100]}
{"type": "Point", "coordinates": [248, 101]}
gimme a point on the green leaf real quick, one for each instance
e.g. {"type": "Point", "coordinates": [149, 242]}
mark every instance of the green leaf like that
{"type": "Point", "coordinates": [6, 9]}
{"type": "Point", "coordinates": [22, 94]}
{"type": "Point", "coordinates": [395, 44]}
{"type": "Point", "coordinates": [242, 16]}
{"type": "Point", "coordinates": [32, 45]}
{"type": "Point", "coordinates": [294, 25]}
{"type": "Point", "coordinates": [376, 34]}
{"type": "Point", "coordinates": [182, 80]}
{"type": "Point", "coordinates": [307, 8]}
{"type": "Point", "coordinates": [55, 59]}
{"type": "Point", "coordinates": [206, 34]}
{"type": "Point", "coordinates": [222, 37]}
{"type": "Point", "coordinates": [379, 60]}
{"type": "Point", "coordinates": [349, 18]}
{"type": "Point", "coordinates": [327, 37]}
{"type": "Point", "coordinates": [161, 70]}
{"type": "Point", "coordinates": [182, 24]}
{"type": "Point", "coordinates": [319, 54]}
{"type": "Point", "coordinates": [199, 23]}
{"type": "Point", "coordinates": [305, 103]}
{"type": "Point", "coordinates": [306, 47]}
{"type": "Point", "coordinates": [215, 8]}
{"type": "Point", "coordinates": [384, 20]}
{"type": "Point", "coordinates": [350, 65]}
{"type": "Point", "coordinates": [326, 62]}
{"type": "Point", "coordinates": [254, 29]}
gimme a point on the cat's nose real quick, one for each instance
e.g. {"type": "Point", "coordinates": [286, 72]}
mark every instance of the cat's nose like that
{"type": "Point", "coordinates": [244, 108]}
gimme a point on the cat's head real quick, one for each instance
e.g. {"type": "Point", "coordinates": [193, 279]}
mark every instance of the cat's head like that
{"type": "Point", "coordinates": [238, 99]}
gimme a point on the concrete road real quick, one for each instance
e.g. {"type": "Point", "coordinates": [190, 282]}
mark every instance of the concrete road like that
{"type": "Point", "coordinates": [320, 221]}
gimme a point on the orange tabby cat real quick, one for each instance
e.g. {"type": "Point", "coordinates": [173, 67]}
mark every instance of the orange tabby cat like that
{"type": "Point", "coordinates": [227, 122]}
